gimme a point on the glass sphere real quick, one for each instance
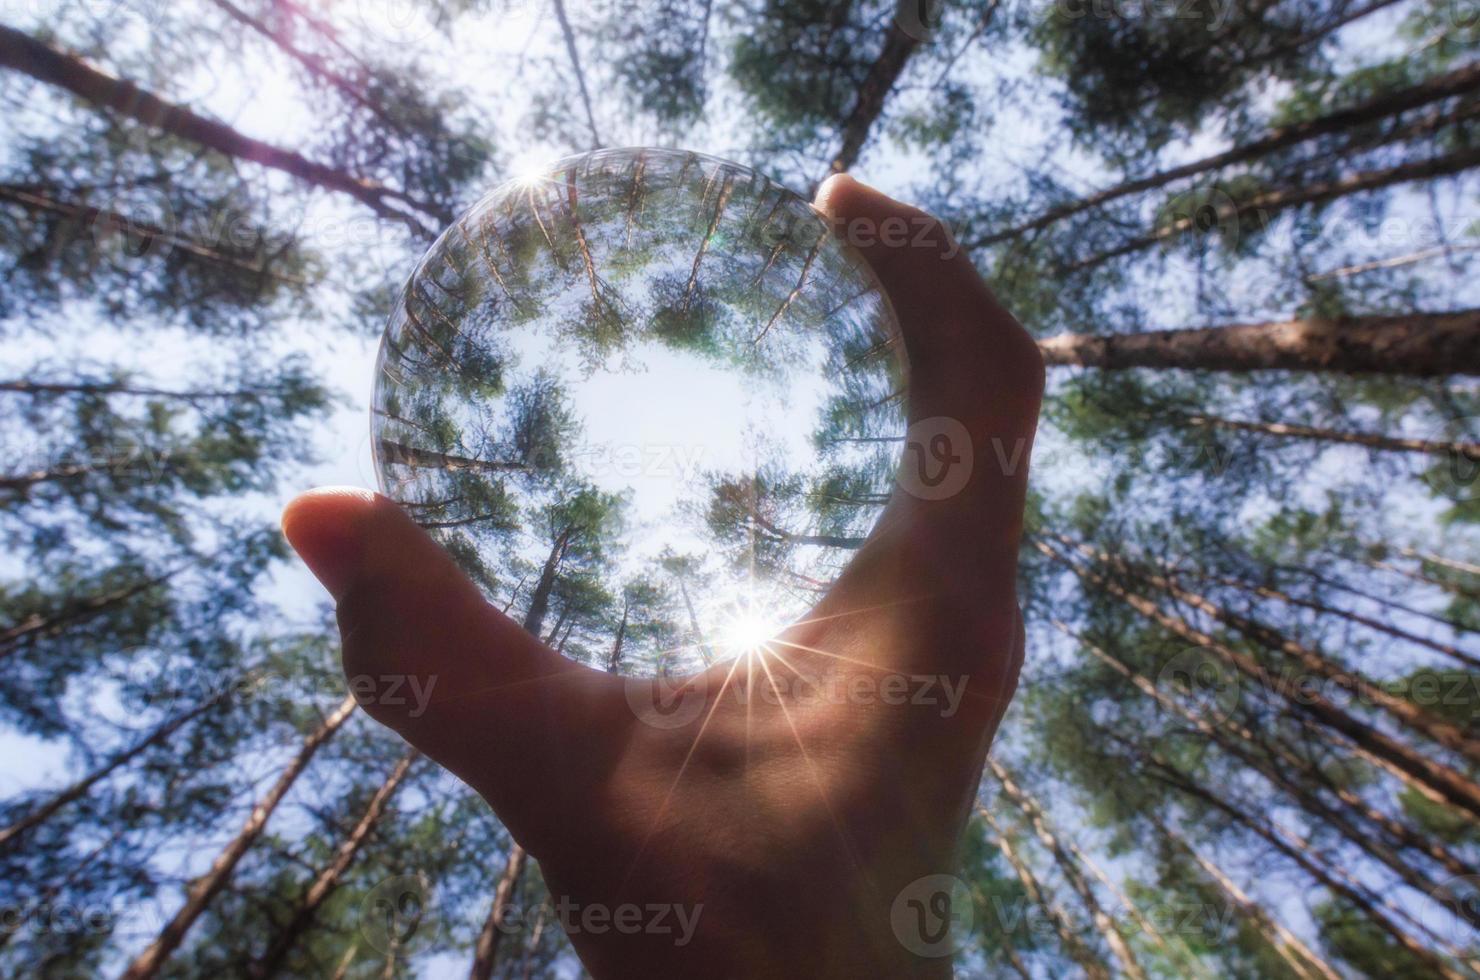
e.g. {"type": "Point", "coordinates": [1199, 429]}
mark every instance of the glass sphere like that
{"type": "Point", "coordinates": [648, 400]}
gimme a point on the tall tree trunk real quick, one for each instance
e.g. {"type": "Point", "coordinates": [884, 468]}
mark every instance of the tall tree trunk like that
{"type": "Point", "coordinates": [403, 455]}
{"type": "Point", "coordinates": [485, 952]}
{"type": "Point", "coordinates": [86, 216]}
{"type": "Point", "coordinates": [1368, 440]}
{"type": "Point", "coordinates": [1301, 958]}
{"type": "Point", "coordinates": [355, 90]}
{"type": "Point", "coordinates": [23, 53]}
{"type": "Point", "coordinates": [535, 934]}
{"type": "Point", "coordinates": [1457, 82]}
{"type": "Point", "coordinates": [1442, 778]}
{"type": "Point", "coordinates": [539, 599]}
{"type": "Point", "coordinates": [81, 787]}
{"type": "Point", "coordinates": [1468, 660]}
{"type": "Point", "coordinates": [79, 611]}
{"type": "Point", "coordinates": [1400, 709]}
{"type": "Point", "coordinates": [1453, 588]}
{"type": "Point", "coordinates": [1182, 955]}
{"type": "Point", "coordinates": [1301, 855]}
{"type": "Point", "coordinates": [575, 66]}
{"type": "Point", "coordinates": [1395, 262]}
{"type": "Point", "coordinates": [614, 659]}
{"type": "Point", "coordinates": [726, 189]}
{"type": "Point", "coordinates": [1386, 601]}
{"type": "Point", "coordinates": [36, 389]}
{"type": "Point", "coordinates": [1104, 925]}
{"type": "Point", "coordinates": [1267, 204]}
{"type": "Point", "coordinates": [1241, 742]}
{"type": "Point", "coordinates": [699, 639]}
{"type": "Point", "coordinates": [327, 880]}
{"type": "Point", "coordinates": [201, 891]}
{"type": "Point", "coordinates": [1094, 968]}
{"type": "Point", "coordinates": [1420, 344]}
{"type": "Point", "coordinates": [20, 484]}
{"type": "Point", "coordinates": [1450, 563]}
{"type": "Point", "coordinates": [873, 92]}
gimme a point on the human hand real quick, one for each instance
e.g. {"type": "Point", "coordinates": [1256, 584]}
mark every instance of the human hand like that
{"type": "Point", "coordinates": [792, 795]}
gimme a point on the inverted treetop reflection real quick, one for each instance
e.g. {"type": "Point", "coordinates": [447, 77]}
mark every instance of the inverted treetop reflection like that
{"type": "Point", "coordinates": [639, 397]}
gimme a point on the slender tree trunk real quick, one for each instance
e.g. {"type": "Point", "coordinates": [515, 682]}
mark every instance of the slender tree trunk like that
{"type": "Point", "coordinates": [1300, 855]}
{"type": "Point", "coordinates": [1400, 709]}
{"type": "Point", "coordinates": [78, 612]}
{"type": "Point", "coordinates": [597, 286]}
{"type": "Point", "coordinates": [401, 454]}
{"type": "Point", "coordinates": [1453, 588]}
{"type": "Point", "coordinates": [1468, 660]}
{"type": "Point", "coordinates": [1094, 968]}
{"type": "Point", "coordinates": [1457, 82]}
{"type": "Point", "coordinates": [539, 600]}
{"type": "Point", "coordinates": [1300, 957]}
{"type": "Point", "coordinates": [36, 389]}
{"type": "Point", "coordinates": [1450, 563]}
{"type": "Point", "coordinates": [699, 639]}
{"type": "Point", "coordinates": [873, 93]}
{"type": "Point", "coordinates": [341, 969]}
{"type": "Point", "coordinates": [327, 880]}
{"type": "Point", "coordinates": [1442, 778]}
{"type": "Point", "coordinates": [21, 483]}
{"type": "Point", "coordinates": [726, 188]}
{"type": "Point", "coordinates": [1385, 601]}
{"type": "Point", "coordinates": [795, 292]}
{"type": "Point", "coordinates": [88, 216]}
{"type": "Point", "coordinates": [23, 53]}
{"type": "Point", "coordinates": [1368, 440]}
{"type": "Point", "coordinates": [199, 894]}
{"type": "Point", "coordinates": [351, 89]}
{"type": "Point", "coordinates": [575, 66]}
{"type": "Point", "coordinates": [614, 659]}
{"type": "Point", "coordinates": [1421, 344]}
{"type": "Point", "coordinates": [1250, 749]}
{"type": "Point", "coordinates": [485, 953]}
{"type": "Point", "coordinates": [81, 787]}
{"type": "Point", "coordinates": [1267, 204]}
{"type": "Point", "coordinates": [535, 935]}
{"type": "Point", "coordinates": [1181, 955]}
{"type": "Point", "coordinates": [1396, 262]}
{"type": "Point", "coordinates": [1070, 870]}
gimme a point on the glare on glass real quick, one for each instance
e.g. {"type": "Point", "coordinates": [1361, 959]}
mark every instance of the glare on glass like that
{"type": "Point", "coordinates": [648, 400]}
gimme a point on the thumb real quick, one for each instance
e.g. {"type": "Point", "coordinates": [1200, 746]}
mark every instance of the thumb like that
{"type": "Point", "coordinates": [969, 358]}
{"type": "Point", "coordinates": [425, 654]}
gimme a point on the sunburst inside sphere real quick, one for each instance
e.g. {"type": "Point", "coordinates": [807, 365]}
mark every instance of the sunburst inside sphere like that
{"type": "Point", "coordinates": [630, 391]}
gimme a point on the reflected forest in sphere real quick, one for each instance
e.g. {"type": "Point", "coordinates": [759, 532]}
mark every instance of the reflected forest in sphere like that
{"type": "Point", "coordinates": [686, 281]}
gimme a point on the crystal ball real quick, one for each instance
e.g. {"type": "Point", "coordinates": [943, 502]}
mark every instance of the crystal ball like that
{"type": "Point", "coordinates": [648, 400]}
